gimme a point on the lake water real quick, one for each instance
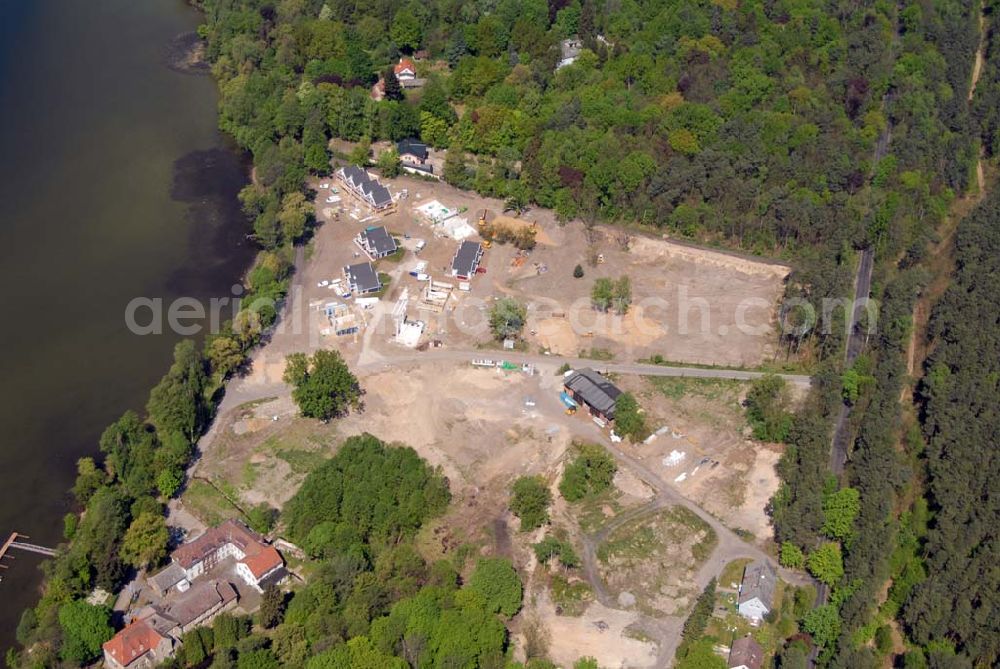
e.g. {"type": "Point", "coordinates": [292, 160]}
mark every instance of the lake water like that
{"type": "Point", "coordinates": [114, 183]}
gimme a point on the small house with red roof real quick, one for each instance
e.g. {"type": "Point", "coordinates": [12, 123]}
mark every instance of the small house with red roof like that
{"type": "Point", "coordinates": [405, 70]}
{"type": "Point", "coordinates": [138, 646]}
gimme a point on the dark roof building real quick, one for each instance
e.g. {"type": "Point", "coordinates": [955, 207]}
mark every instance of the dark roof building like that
{"type": "Point", "coordinates": [199, 604]}
{"type": "Point", "coordinates": [376, 242]}
{"type": "Point", "coordinates": [746, 654]}
{"type": "Point", "coordinates": [359, 182]}
{"type": "Point", "coordinates": [412, 149]}
{"type": "Point", "coordinates": [466, 260]}
{"type": "Point", "coordinates": [362, 278]}
{"type": "Point", "coordinates": [588, 387]}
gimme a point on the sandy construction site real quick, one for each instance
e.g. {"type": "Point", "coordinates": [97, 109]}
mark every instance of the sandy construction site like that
{"type": "Point", "coordinates": [485, 427]}
{"type": "Point", "coordinates": [689, 304]}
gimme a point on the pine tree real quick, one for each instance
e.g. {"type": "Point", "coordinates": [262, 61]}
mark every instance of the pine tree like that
{"type": "Point", "coordinates": [272, 607]}
{"type": "Point", "coordinates": [393, 90]}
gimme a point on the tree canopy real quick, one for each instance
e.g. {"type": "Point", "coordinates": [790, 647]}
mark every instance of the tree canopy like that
{"type": "Point", "coordinates": [323, 386]}
{"type": "Point", "coordinates": [368, 493]}
{"type": "Point", "coordinates": [590, 472]}
{"type": "Point", "coordinates": [530, 499]}
{"type": "Point", "coordinates": [507, 318]}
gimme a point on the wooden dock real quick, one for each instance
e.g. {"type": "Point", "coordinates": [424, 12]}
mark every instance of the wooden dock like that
{"type": "Point", "coordinates": [6, 547]}
{"type": "Point", "coordinates": [13, 543]}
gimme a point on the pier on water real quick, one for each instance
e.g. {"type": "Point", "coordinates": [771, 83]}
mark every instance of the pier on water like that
{"type": "Point", "coordinates": [13, 543]}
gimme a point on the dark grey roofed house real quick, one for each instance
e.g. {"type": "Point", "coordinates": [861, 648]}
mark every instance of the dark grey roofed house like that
{"type": "Point", "coordinates": [587, 386]}
{"type": "Point", "coordinates": [757, 590]}
{"type": "Point", "coordinates": [746, 653]}
{"type": "Point", "coordinates": [380, 195]}
{"type": "Point", "coordinates": [410, 150]}
{"type": "Point", "coordinates": [355, 174]}
{"type": "Point", "coordinates": [377, 242]}
{"type": "Point", "coordinates": [361, 184]}
{"type": "Point", "coordinates": [362, 278]}
{"type": "Point", "coordinates": [466, 260]}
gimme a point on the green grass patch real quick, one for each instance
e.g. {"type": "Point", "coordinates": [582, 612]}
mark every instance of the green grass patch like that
{"type": "Point", "coordinates": [250, 475]}
{"type": "Point", "coordinates": [703, 549]}
{"type": "Point", "coordinates": [301, 462]}
{"type": "Point", "coordinates": [635, 544]}
{"type": "Point", "coordinates": [733, 572]}
{"type": "Point", "coordinates": [207, 503]}
{"type": "Point", "coordinates": [594, 353]}
{"type": "Point", "coordinates": [788, 367]}
{"type": "Point", "coordinates": [572, 597]}
{"type": "Point", "coordinates": [677, 387]}
{"type": "Point", "coordinates": [385, 280]}
{"type": "Point", "coordinates": [643, 537]}
{"type": "Point", "coordinates": [396, 255]}
{"type": "Point", "coordinates": [590, 512]}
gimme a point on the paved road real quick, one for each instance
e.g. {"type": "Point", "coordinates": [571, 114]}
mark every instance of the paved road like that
{"type": "Point", "coordinates": [840, 444]}
{"type": "Point", "coordinates": [466, 355]}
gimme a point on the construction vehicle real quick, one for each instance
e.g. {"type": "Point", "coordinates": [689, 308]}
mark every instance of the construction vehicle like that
{"type": "Point", "coordinates": [487, 243]}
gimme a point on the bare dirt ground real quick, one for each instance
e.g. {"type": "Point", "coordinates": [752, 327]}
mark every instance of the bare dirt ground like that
{"type": "Point", "coordinates": [601, 632]}
{"type": "Point", "coordinates": [723, 470]}
{"type": "Point", "coordinates": [689, 304]}
{"type": "Point", "coordinates": [477, 426]}
{"type": "Point", "coordinates": [650, 562]}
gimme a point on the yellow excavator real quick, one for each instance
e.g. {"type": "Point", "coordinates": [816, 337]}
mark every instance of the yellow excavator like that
{"type": "Point", "coordinates": [482, 223]}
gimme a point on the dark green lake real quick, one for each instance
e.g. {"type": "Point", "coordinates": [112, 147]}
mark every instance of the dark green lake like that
{"type": "Point", "coordinates": [114, 183]}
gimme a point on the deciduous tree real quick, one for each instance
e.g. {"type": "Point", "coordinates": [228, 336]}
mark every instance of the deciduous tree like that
{"type": "Point", "coordinates": [85, 628]}
{"type": "Point", "coordinates": [145, 542]}
{"type": "Point", "coordinates": [323, 386]}
{"type": "Point", "coordinates": [530, 499]}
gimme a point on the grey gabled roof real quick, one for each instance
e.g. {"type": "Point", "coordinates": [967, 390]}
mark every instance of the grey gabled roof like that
{"type": "Point", "coordinates": [196, 602]}
{"type": "Point", "coordinates": [746, 652]}
{"type": "Point", "coordinates": [370, 187]}
{"type": "Point", "coordinates": [168, 577]}
{"type": "Point", "coordinates": [412, 147]}
{"type": "Point", "coordinates": [379, 240]}
{"type": "Point", "coordinates": [355, 174]}
{"type": "Point", "coordinates": [467, 258]}
{"type": "Point", "coordinates": [759, 580]}
{"type": "Point", "coordinates": [380, 194]}
{"type": "Point", "coordinates": [594, 389]}
{"type": "Point", "coordinates": [363, 277]}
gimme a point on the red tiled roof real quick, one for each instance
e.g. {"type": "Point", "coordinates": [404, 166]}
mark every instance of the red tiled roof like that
{"type": "Point", "coordinates": [229, 532]}
{"type": "Point", "coordinates": [133, 642]}
{"type": "Point", "coordinates": [263, 561]}
{"type": "Point", "coordinates": [259, 557]}
{"type": "Point", "coordinates": [404, 64]}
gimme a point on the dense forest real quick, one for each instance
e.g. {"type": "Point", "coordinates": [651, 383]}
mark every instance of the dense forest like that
{"type": "Point", "coordinates": [954, 611]}
{"type": "Point", "coordinates": [753, 124]}
{"type": "Point", "coordinates": [805, 129]}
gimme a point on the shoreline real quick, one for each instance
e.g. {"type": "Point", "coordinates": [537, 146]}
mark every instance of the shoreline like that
{"type": "Point", "coordinates": [183, 54]}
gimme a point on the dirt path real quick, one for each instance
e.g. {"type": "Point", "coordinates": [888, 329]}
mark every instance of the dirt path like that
{"type": "Point", "coordinates": [940, 262]}
{"type": "Point", "coordinates": [977, 67]}
{"type": "Point", "coordinates": [667, 630]}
